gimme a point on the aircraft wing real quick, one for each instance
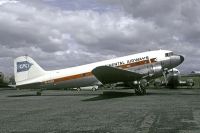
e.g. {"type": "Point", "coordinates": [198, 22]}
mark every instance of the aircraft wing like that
{"type": "Point", "coordinates": [30, 86]}
{"type": "Point", "coordinates": [107, 74]}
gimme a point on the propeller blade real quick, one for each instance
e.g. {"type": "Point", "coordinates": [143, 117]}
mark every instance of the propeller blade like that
{"type": "Point", "coordinates": [165, 75]}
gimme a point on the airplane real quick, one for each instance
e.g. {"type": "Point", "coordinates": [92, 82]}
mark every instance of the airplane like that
{"type": "Point", "coordinates": [135, 70]}
{"type": "Point", "coordinates": [174, 80]}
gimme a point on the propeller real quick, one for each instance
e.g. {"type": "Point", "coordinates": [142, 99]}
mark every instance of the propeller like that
{"type": "Point", "coordinates": [165, 72]}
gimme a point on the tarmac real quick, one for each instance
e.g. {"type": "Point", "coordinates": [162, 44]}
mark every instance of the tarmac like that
{"type": "Point", "coordinates": [111, 111]}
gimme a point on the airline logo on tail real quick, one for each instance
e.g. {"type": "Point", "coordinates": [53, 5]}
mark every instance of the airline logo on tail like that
{"type": "Point", "coordinates": [23, 66]}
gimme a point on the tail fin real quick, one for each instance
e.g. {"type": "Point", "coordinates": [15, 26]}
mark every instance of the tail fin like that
{"type": "Point", "coordinates": [26, 68]}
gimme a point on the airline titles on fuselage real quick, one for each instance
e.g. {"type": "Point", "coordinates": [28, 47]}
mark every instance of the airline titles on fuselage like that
{"type": "Point", "coordinates": [128, 61]}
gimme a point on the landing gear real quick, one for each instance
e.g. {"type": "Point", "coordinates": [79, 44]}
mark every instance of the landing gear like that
{"type": "Point", "coordinates": [140, 90]}
{"type": "Point", "coordinates": [141, 87]}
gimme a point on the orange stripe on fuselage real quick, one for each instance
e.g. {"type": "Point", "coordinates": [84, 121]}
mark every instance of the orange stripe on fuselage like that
{"type": "Point", "coordinates": [87, 74]}
{"type": "Point", "coordinates": [73, 77]}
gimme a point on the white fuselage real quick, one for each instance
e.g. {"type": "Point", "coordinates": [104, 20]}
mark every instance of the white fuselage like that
{"type": "Point", "coordinates": [148, 63]}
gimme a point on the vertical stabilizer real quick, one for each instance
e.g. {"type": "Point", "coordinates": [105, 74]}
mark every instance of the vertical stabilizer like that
{"type": "Point", "coordinates": [25, 68]}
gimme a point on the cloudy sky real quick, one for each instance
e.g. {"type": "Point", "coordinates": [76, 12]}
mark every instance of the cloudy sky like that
{"type": "Point", "coordinates": [65, 33]}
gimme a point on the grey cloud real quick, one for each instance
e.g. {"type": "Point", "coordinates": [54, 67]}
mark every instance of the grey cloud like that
{"type": "Point", "coordinates": [177, 23]}
{"type": "Point", "coordinates": [58, 38]}
{"type": "Point", "coordinates": [22, 26]}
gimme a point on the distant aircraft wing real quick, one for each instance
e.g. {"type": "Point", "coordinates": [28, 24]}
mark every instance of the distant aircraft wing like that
{"type": "Point", "coordinates": [107, 74]}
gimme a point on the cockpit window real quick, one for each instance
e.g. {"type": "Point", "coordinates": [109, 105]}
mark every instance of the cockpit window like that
{"type": "Point", "coordinates": [169, 54]}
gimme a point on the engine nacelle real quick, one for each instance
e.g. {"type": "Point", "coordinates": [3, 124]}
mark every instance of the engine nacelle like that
{"type": "Point", "coordinates": [142, 82]}
{"type": "Point", "coordinates": [155, 70]}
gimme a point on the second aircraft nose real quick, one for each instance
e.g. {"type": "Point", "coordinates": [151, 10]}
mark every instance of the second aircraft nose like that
{"type": "Point", "coordinates": [181, 58]}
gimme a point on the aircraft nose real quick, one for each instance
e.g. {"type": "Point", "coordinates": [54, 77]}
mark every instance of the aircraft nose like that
{"type": "Point", "coordinates": [176, 60]}
{"type": "Point", "coordinates": [181, 58]}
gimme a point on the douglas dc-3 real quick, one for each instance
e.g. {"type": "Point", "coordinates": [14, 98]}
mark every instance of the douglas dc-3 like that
{"type": "Point", "coordinates": [135, 70]}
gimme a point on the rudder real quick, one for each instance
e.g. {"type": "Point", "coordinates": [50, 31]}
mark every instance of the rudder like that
{"type": "Point", "coordinates": [26, 68]}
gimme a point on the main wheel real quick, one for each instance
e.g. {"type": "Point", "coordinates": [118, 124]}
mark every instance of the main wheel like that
{"type": "Point", "coordinates": [140, 90]}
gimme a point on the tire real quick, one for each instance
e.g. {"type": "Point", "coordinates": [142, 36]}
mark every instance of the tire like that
{"type": "Point", "coordinates": [140, 90]}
